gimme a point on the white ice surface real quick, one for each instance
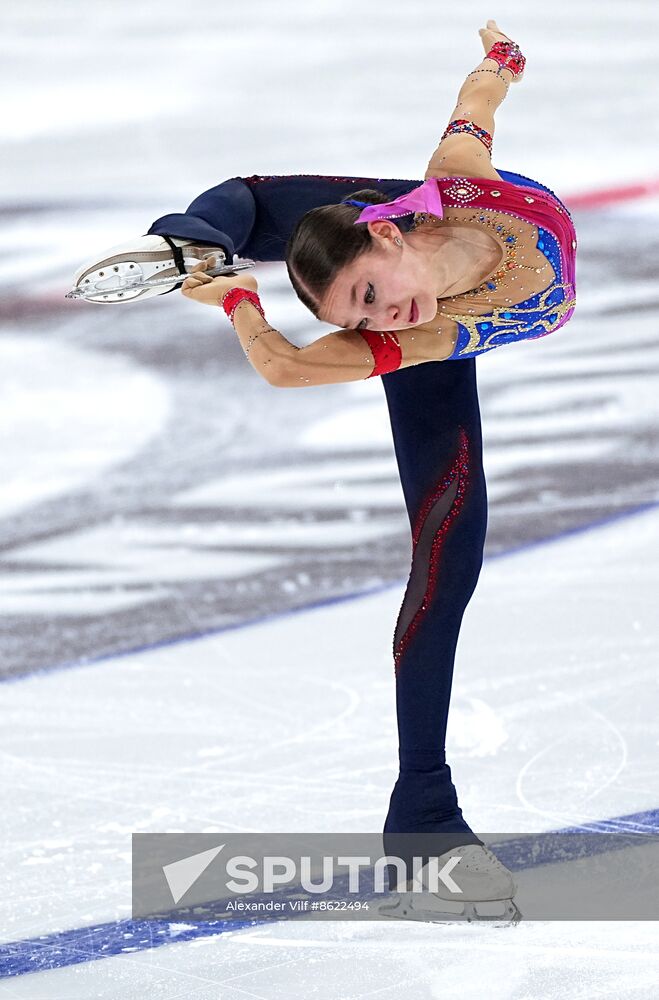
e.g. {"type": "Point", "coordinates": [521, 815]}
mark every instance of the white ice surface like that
{"type": "Point", "coordinates": [116, 99]}
{"type": "Point", "coordinates": [290, 724]}
{"type": "Point", "coordinates": [66, 414]}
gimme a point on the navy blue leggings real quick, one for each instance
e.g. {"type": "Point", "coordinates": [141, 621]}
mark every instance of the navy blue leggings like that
{"type": "Point", "coordinates": [435, 421]}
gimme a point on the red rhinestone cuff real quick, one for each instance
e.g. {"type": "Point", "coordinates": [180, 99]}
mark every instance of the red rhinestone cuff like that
{"type": "Point", "coordinates": [509, 56]}
{"type": "Point", "coordinates": [232, 299]}
{"type": "Point", "coordinates": [464, 125]}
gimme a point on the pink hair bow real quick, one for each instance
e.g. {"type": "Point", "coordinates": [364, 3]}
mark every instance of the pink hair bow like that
{"type": "Point", "coordinates": [425, 198]}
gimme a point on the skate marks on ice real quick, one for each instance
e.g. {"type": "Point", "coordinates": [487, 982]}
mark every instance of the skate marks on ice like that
{"type": "Point", "coordinates": [207, 501]}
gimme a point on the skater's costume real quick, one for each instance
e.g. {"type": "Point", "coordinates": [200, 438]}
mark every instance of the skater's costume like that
{"type": "Point", "coordinates": [531, 291]}
{"type": "Point", "coordinates": [435, 421]}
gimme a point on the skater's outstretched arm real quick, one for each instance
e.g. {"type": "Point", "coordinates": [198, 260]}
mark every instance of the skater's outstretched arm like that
{"type": "Point", "coordinates": [462, 150]}
{"type": "Point", "coordinates": [340, 356]}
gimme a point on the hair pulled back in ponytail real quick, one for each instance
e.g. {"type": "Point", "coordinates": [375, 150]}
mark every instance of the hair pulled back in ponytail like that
{"type": "Point", "coordinates": [325, 240]}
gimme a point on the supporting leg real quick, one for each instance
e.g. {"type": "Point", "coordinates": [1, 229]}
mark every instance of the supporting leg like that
{"type": "Point", "coordinates": [435, 419]}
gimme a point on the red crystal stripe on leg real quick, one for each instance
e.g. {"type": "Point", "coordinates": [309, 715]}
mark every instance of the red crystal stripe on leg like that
{"type": "Point", "coordinates": [434, 520]}
{"type": "Point", "coordinates": [418, 579]}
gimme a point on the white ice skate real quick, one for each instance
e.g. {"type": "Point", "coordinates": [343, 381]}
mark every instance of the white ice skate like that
{"type": "Point", "coordinates": [487, 893]}
{"type": "Point", "coordinates": [145, 266]}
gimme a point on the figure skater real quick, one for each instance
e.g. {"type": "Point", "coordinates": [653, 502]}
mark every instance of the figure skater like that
{"type": "Point", "coordinates": [414, 274]}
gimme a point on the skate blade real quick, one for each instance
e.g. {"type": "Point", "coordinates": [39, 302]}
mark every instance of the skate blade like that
{"type": "Point", "coordinates": [497, 912]}
{"type": "Point", "coordinates": [125, 280]}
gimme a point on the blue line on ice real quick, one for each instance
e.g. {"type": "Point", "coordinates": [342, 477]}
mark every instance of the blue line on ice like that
{"type": "Point", "coordinates": [86, 944]}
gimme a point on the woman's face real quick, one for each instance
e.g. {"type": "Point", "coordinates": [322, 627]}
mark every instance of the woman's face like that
{"type": "Point", "coordinates": [379, 290]}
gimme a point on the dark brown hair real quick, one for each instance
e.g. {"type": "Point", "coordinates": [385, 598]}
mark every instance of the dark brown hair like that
{"type": "Point", "coordinates": [325, 240]}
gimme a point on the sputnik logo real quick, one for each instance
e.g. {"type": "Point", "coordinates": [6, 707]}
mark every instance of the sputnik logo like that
{"type": "Point", "coordinates": [182, 875]}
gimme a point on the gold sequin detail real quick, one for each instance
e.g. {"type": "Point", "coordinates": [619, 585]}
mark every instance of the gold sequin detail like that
{"type": "Point", "coordinates": [518, 325]}
{"type": "Point", "coordinates": [504, 234]}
